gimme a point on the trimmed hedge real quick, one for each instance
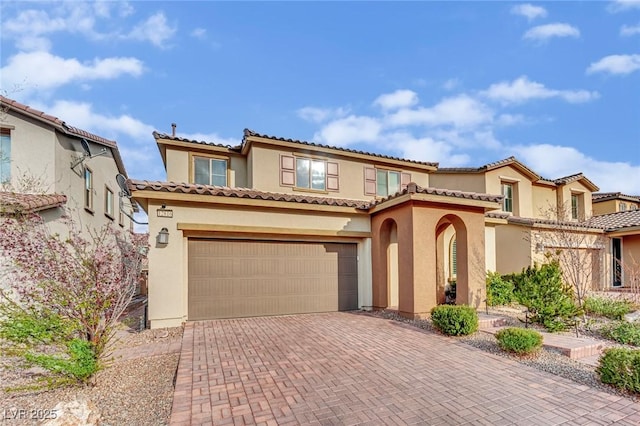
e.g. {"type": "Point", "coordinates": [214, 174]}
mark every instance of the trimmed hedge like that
{"type": "Point", "coordinates": [520, 341]}
{"type": "Point", "coordinates": [455, 320]}
{"type": "Point", "coordinates": [620, 367]}
{"type": "Point", "coordinates": [499, 290]}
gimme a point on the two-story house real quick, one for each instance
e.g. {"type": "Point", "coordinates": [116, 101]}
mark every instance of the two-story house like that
{"type": "Point", "coordinates": [281, 226]}
{"type": "Point", "coordinates": [537, 216]}
{"type": "Point", "coordinates": [612, 202]}
{"type": "Point", "coordinates": [42, 155]}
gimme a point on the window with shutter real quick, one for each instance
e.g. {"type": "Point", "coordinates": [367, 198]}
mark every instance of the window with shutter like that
{"type": "Point", "coordinates": [383, 182]}
{"type": "Point", "coordinates": [369, 181]}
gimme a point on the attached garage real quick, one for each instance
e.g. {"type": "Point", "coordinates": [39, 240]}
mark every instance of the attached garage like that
{"type": "Point", "coordinates": [245, 278]}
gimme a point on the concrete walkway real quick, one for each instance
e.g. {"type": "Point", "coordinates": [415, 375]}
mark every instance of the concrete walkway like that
{"type": "Point", "coordinates": [348, 369]}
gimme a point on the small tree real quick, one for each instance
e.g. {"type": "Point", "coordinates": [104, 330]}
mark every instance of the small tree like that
{"type": "Point", "coordinates": [578, 247]}
{"type": "Point", "coordinates": [65, 290]}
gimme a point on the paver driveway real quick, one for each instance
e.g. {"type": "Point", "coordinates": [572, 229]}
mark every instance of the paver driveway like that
{"type": "Point", "coordinates": [343, 368]}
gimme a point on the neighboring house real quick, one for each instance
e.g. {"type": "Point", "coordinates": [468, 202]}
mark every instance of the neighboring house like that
{"type": "Point", "coordinates": [612, 202]}
{"type": "Point", "coordinates": [619, 214]}
{"type": "Point", "coordinates": [42, 154]}
{"type": "Point", "coordinates": [281, 226]}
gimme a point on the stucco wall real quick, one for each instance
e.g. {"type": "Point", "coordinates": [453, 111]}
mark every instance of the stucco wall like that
{"type": "Point", "coordinates": [265, 173]}
{"type": "Point", "coordinates": [490, 248]}
{"type": "Point", "coordinates": [472, 182]}
{"type": "Point", "coordinates": [168, 265]}
{"type": "Point", "coordinates": [544, 202]}
{"type": "Point", "coordinates": [513, 248]}
{"type": "Point", "coordinates": [522, 191]}
{"type": "Point", "coordinates": [564, 199]}
{"type": "Point", "coordinates": [631, 258]}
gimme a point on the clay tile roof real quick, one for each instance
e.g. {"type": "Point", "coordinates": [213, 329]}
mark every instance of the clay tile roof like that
{"type": "Point", "coordinates": [223, 191]}
{"type": "Point", "coordinates": [568, 179]}
{"type": "Point", "coordinates": [490, 166]}
{"type": "Point", "coordinates": [56, 122]}
{"type": "Point", "coordinates": [12, 202]}
{"type": "Point", "coordinates": [248, 133]}
{"type": "Point", "coordinates": [497, 215]}
{"type": "Point", "coordinates": [158, 135]}
{"type": "Point", "coordinates": [619, 220]}
{"type": "Point", "coordinates": [606, 196]}
{"type": "Point", "coordinates": [412, 188]}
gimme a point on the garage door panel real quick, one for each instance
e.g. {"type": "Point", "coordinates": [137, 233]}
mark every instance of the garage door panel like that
{"type": "Point", "coordinates": [234, 278]}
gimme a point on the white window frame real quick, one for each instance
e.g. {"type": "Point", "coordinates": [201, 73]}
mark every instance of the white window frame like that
{"type": "Point", "coordinates": [109, 203]}
{"type": "Point", "coordinates": [88, 189]}
{"type": "Point", "coordinates": [210, 174]}
{"type": "Point", "coordinates": [307, 183]}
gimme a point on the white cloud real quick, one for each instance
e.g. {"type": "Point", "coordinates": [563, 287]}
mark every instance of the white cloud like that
{"type": "Point", "coordinates": [548, 31]}
{"type": "Point", "coordinates": [82, 115]}
{"type": "Point", "coordinates": [43, 71]}
{"type": "Point", "coordinates": [319, 115]}
{"type": "Point", "coordinates": [350, 130]}
{"type": "Point", "coordinates": [623, 5]}
{"type": "Point", "coordinates": [426, 149]}
{"type": "Point", "coordinates": [630, 30]}
{"type": "Point", "coordinates": [210, 138]}
{"type": "Point", "coordinates": [529, 11]}
{"type": "Point", "coordinates": [200, 33]}
{"type": "Point", "coordinates": [458, 111]}
{"type": "Point", "coordinates": [553, 161]}
{"type": "Point", "coordinates": [155, 30]}
{"type": "Point", "coordinates": [509, 119]}
{"type": "Point", "coordinates": [397, 99]}
{"type": "Point", "coordinates": [616, 64]}
{"type": "Point", "coordinates": [522, 89]}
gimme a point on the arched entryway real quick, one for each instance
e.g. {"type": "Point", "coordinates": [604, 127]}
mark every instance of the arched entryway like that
{"type": "Point", "coordinates": [389, 236]}
{"type": "Point", "coordinates": [452, 260]}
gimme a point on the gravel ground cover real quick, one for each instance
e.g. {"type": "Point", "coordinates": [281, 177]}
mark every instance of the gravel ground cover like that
{"type": "Point", "coordinates": [133, 391]}
{"type": "Point", "coordinates": [545, 360]}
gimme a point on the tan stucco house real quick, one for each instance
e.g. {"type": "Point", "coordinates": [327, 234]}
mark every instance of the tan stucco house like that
{"type": "Point", "coordinates": [281, 226]}
{"type": "Point", "coordinates": [41, 154]}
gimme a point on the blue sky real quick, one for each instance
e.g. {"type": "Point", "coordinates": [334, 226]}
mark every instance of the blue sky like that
{"type": "Point", "coordinates": [557, 84]}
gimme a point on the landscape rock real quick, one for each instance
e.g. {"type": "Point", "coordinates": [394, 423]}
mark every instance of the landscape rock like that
{"type": "Point", "coordinates": [75, 413]}
{"type": "Point", "coordinates": [632, 316]}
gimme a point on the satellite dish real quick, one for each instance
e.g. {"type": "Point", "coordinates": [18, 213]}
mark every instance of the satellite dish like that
{"type": "Point", "coordinates": [85, 147]}
{"type": "Point", "coordinates": [122, 183]}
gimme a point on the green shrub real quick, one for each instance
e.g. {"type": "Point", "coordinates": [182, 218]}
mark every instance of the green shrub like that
{"type": "Point", "coordinates": [550, 302]}
{"type": "Point", "coordinates": [520, 341]}
{"type": "Point", "coordinates": [455, 320]}
{"type": "Point", "coordinates": [612, 309]}
{"type": "Point", "coordinates": [78, 364]}
{"type": "Point", "coordinates": [499, 291]}
{"type": "Point", "coordinates": [620, 367]}
{"type": "Point", "coordinates": [627, 333]}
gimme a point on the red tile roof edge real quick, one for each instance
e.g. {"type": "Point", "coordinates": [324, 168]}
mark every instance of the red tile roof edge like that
{"type": "Point", "coordinates": [29, 203]}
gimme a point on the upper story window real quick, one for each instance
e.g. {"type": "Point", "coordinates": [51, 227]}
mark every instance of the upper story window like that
{"type": "Point", "coordinates": [382, 182]}
{"type": "Point", "coordinates": [88, 189]}
{"type": "Point", "coordinates": [633, 207]}
{"type": "Point", "coordinates": [108, 203]}
{"type": "Point", "coordinates": [311, 174]}
{"type": "Point", "coordinates": [507, 193]}
{"type": "Point", "coordinates": [576, 210]}
{"type": "Point", "coordinates": [623, 207]}
{"type": "Point", "coordinates": [5, 155]}
{"type": "Point", "coordinates": [314, 174]}
{"type": "Point", "coordinates": [210, 171]}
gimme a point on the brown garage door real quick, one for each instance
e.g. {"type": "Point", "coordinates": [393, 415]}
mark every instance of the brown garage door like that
{"type": "Point", "coordinates": [237, 278]}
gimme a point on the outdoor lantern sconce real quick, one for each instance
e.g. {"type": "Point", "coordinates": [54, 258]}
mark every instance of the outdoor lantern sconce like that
{"type": "Point", "coordinates": [163, 237]}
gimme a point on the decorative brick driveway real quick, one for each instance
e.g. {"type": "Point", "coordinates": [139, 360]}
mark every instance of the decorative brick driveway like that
{"type": "Point", "coordinates": [346, 369]}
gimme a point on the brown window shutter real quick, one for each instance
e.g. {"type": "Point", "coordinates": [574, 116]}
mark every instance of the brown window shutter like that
{"type": "Point", "coordinates": [287, 170]}
{"type": "Point", "coordinates": [369, 181]}
{"type": "Point", "coordinates": [333, 180]}
{"type": "Point", "coordinates": [405, 179]}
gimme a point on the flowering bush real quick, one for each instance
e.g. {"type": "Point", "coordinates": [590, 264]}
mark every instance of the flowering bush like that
{"type": "Point", "coordinates": [64, 289]}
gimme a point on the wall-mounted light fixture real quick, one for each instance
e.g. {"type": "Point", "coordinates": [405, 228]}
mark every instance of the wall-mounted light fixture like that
{"type": "Point", "coordinates": [539, 248]}
{"type": "Point", "coordinates": [163, 237]}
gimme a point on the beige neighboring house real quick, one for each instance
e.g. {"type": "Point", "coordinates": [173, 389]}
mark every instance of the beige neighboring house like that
{"type": "Point", "coordinates": [41, 154]}
{"type": "Point", "coordinates": [282, 226]}
{"type": "Point", "coordinates": [537, 216]}
{"type": "Point", "coordinates": [613, 202]}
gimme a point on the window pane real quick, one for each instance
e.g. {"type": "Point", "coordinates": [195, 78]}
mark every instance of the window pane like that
{"type": "Point", "coordinates": [5, 158]}
{"type": "Point", "coordinates": [201, 171]}
{"type": "Point", "coordinates": [318, 175]}
{"type": "Point", "coordinates": [574, 207]}
{"type": "Point", "coordinates": [394, 182]}
{"type": "Point", "coordinates": [219, 172]}
{"type": "Point", "coordinates": [302, 172]}
{"type": "Point", "coordinates": [507, 192]}
{"type": "Point", "coordinates": [381, 181]}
